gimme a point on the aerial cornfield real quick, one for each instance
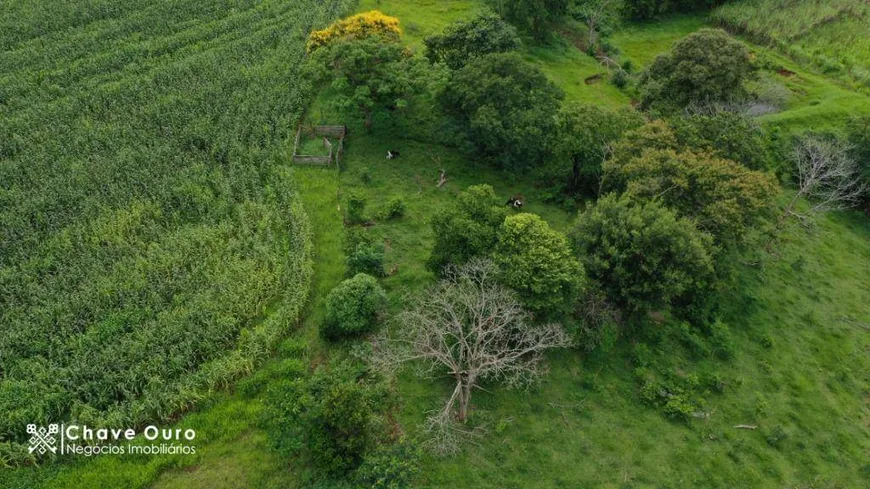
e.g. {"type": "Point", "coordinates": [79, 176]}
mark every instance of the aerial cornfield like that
{"type": "Point", "coordinates": [151, 243]}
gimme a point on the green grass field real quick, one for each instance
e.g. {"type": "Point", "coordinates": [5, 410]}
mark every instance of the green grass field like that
{"type": "Point", "coordinates": [830, 35]}
{"type": "Point", "coordinates": [798, 319]}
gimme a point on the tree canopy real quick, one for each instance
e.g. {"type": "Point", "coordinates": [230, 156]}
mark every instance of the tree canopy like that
{"type": "Point", "coordinates": [641, 254]}
{"type": "Point", "coordinates": [537, 262]}
{"type": "Point", "coordinates": [705, 67]}
{"type": "Point", "coordinates": [372, 23]}
{"type": "Point", "coordinates": [585, 132]}
{"type": "Point", "coordinates": [533, 16]}
{"type": "Point", "coordinates": [463, 41]}
{"type": "Point", "coordinates": [507, 107]}
{"type": "Point", "coordinates": [723, 197]}
{"type": "Point", "coordinates": [728, 135]}
{"type": "Point", "coordinates": [468, 228]}
{"type": "Point", "coordinates": [352, 307]}
{"type": "Point", "coordinates": [366, 73]}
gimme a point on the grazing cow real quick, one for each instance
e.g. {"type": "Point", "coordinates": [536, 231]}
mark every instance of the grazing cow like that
{"type": "Point", "coordinates": [392, 154]}
{"type": "Point", "coordinates": [516, 202]}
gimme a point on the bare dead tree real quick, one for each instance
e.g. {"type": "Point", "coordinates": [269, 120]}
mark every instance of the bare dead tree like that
{"type": "Point", "coordinates": [827, 175]}
{"type": "Point", "coordinates": [473, 330]}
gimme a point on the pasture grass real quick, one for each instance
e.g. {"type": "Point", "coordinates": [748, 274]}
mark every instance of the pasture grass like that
{"type": "Point", "coordinates": [642, 42]}
{"type": "Point", "coordinates": [831, 36]}
{"type": "Point", "coordinates": [585, 425]}
{"type": "Point", "coordinates": [815, 102]}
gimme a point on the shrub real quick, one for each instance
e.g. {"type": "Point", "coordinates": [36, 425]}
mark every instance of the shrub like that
{"type": "Point", "coordinates": [391, 467]}
{"type": "Point", "coordinates": [537, 262]}
{"type": "Point", "coordinates": [353, 237]}
{"type": "Point", "coordinates": [506, 107]}
{"type": "Point", "coordinates": [373, 23]}
{"type": "Point", "coordinates": [619, 79]}
{"type": "Point", "coordinates": [330, 417]}
{"type": "Point", "coordinates": [366, 258]}
{"type": "Point", "coordinates": [395, 208]}
{"type": "Point", "coordinates": [598, 328]}
{"type": "Point", "coordinates": [705, 67]}
{"type": "Point", "coordinates": [641, 255]}
{"type": "Point", "coordinates": [353, 307]}
{"type": "Point", "coordinates": [468, 228]}
{"type": "Point", "coordinates": [356, 204]}
{"type": "Point", "coordinates": [463, 41]}
{"type": "Point", "coordinates": [721, 341]}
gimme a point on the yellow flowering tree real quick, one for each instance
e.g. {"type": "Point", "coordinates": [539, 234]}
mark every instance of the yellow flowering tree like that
{"type": "Point", "coordinates": [355, 27]}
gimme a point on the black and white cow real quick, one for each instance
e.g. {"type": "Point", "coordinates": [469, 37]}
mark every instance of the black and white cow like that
{"type": "Point", "coordinates": [392, 154]}
{"type": "Point", "coordinates": [516, 202]}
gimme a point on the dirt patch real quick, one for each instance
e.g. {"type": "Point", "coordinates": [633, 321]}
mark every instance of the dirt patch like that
{"type": "Point", "coordinates": [786, 73]}
{"type": "Point", "coordinates": [591, 80]}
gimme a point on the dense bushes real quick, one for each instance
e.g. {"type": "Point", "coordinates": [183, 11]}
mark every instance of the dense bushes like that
{"type": "Point", "coordinates": [537, 262]}
{"type": "Point", "coordinates": [353, 307]}
{"type": "Point", "coordinates": [333, 417]}
{"type": "Point", "coordinates": [366, 258]}
{"type": "Point", "coordinates": [641, 255]}
{"type": "Point", "coordinates": [706, 67]}
{"type": "Point", "coordinates": [584, 133]}
{"type": "Point", "coordinates": [650, 9]}
{"type": "Point", "coordinates": [723, 197]}
{"type": "Point", "coordinates": [858, 136]}
{"type": "Point", "coordinates": [463, 41]}
{"type": "Point", "coordinates": [467, 229]}
{"type": "Point", "coordinates": [506, 106]}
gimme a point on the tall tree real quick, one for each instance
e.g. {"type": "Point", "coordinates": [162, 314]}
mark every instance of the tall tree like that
{"type": "Point", "coordinates": [536, 261]}
{"type": "Point", "coordinates": [641, 254]}
{"type": "Point", "coordinates": [468, 228]}
{"type": "Point", "coordinates": [471, 329]}
{"type": "Point", "coordinates": [508, 108]}
{"type": "Point", "coordinates": [705, 67]}
{"type": "Point", "coordinates": [367, 73]}
{"type": "Point", "coordinates": [463, 41]}
{"type": "Point", "coordinates": [585, 134]}
{"type": "Point", "coordinates": [723, 197]}
{"type": "Point", "coordinates": [372, 23]}
{"type": "Point", "coordinates": [533, 16]}
{"type": "Point", "coordinates": [827, 175]}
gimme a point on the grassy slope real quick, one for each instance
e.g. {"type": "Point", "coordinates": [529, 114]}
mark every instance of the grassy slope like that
{"type": "Point", "coordinates": [584, 426]}
{"type": "Point", "coordinates": [816, 102]}
{"type": "Point", "coordinates": [831, 35]}
{"type": "Point", "coordinates": [563, 63]}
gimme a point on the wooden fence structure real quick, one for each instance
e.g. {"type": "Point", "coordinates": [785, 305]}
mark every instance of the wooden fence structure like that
{"type": "Point", "coordinates": [336, 151]}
